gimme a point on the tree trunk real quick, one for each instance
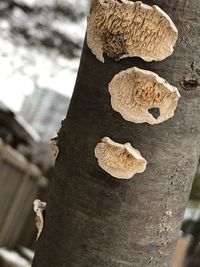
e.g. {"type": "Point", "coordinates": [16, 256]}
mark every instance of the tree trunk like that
{"type": "Point", "coordinates": [93, 219]}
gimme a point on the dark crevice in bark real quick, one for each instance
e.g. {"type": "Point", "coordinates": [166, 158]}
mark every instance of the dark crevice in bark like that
{"type": "Point", "coordinates": [155, 112]}
{"type": "Point", "coordinates": [191, 83]}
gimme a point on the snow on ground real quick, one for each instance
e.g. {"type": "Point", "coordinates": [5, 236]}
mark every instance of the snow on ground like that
{"type": "Point", "coordinates": [29, 254]}
{"type": "Point", "coordinates": [12, 259]}
{"type": "Point", "coordinates": [192, 211]}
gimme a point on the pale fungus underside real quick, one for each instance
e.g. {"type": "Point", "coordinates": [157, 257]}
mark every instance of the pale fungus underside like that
{"type": "Point", "coordinates": [142, 96]}
{"type": "Point", "coordinates": [119, 160]}
{"type": "Point", "coordinates": [39, 208]}
{"type": "Point", "coordinates": [53, 145]}
{"type": "Point", "coordinates": [130, 29]}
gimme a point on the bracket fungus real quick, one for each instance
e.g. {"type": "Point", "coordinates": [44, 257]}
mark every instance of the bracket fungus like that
{"type": "Point", "coordinates": [130, 29]}
{"type": "Point", "coordinates": [142, 96]}
{"type": "Point", "coordinates": [119, 160]}
{"type": "Point", "coordinates": [53, 145]}
{"type": "Point", "coordinates": [39, 208]}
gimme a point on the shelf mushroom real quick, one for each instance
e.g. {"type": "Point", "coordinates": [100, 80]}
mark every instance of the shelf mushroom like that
{"type": "Point", "coordinates": [142, 96]}
{"type": "Point", "coordinates": [119, 160]}
{"type": "Point", "coordinates": [130, 29]}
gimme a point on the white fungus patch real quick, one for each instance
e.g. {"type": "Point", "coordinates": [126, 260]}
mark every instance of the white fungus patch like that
{"type": "Point", "coordinates": [119, 160]}
{"type": "Point", "coordinates": [142, 96]}
{"type": "Point", "coordinates": [130, 29]}
{"type": "Point", "coordinates": [39, 208]}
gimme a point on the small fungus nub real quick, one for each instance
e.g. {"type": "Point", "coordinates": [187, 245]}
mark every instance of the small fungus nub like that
{"type": "Point", "coordinates": [53, 145]}
{"type": "Point", "coordinates": [39, 208]}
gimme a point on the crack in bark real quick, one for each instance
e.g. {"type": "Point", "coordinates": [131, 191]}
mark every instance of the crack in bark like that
{"type": "Point", "coordinates": [191, 83]}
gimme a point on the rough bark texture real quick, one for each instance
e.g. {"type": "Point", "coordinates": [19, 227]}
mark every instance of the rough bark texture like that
{"type": "Point", "coordinates": [93, 219]}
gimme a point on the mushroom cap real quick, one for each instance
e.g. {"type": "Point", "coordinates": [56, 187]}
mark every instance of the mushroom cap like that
{"type": "Point", "coordinates": [130, 29]}
{"type": "Point", "coordinates": [119, 160]}
{"type": "Point", "coordinates": [38, 205]}
{"type": "Point", "coordinates": [137, 94]}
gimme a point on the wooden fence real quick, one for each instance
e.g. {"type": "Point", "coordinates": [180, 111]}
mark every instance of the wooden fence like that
{"type": "Point", "coordinates": [20, 183]}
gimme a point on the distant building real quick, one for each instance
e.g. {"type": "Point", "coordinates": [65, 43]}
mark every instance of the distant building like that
{"type": "Point", "coordinates": [14, 130]}
{"type": "Point", "coordinates": [44, 109]}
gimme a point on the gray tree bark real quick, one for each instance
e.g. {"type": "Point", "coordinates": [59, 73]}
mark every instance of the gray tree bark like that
{"type": "Point", "coordinates": [93, 219]}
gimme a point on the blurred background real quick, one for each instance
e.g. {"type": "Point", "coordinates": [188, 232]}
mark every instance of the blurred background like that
{"type": "Point", "coordinates": [40, 47]}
